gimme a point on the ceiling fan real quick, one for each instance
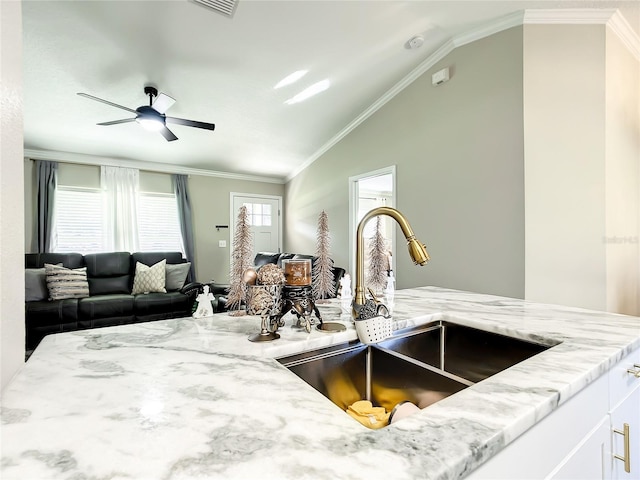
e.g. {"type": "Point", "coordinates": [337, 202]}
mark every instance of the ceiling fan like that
{"type": "Point", "coordinates": [153, 117]}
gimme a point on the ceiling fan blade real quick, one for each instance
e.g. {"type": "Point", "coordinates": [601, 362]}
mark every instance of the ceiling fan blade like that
{"type": "Point", "coordinates": [115, 122]}
{"type": "Point", "coordinates": [168, 134]}
{"type": "Point", "coordinates": [190, 123]}
{"type": "Point", "coordinates": [162, 103]}
{"type": "Point", "coordinates": [91, 97]}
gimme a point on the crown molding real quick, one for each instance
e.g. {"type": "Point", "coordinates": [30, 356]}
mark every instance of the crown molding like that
{"type": "Point", "coordinates": [619, 25]}
{"type": "Point", "coordinates": [80, 158]}
{"type": "Point", "coordinates": [495, 26]}
{"type": "Point", "coordinates": [586, 16]}
{"type": "Point", "coordinates": [568, 16]}
{"type": "Point", "coordinates": [610, 17]}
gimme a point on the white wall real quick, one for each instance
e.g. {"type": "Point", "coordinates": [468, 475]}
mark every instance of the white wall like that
{"type": "Point", "coordinates": [582, 160]}
{"type": "Point", "coordinates": [622, 176]}
{"type": "Point", "coordinates": [11, 193]}
{"type": "Point", "coordinates": [564, 112]}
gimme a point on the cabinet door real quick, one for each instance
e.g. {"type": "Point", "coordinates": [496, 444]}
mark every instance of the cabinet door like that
{"type": "Point", "coordinates": [627, 411]}
{"type": "Point", "coordinates": [587, 460]}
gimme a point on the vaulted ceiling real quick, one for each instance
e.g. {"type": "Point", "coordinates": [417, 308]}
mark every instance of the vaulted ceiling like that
{"type": "Point", "coordinates": [227, 70]}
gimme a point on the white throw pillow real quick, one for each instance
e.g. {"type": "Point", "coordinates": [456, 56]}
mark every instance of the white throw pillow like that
{"type": "Point", "coordinates": [65, 283]}
{"type": "Point", "coordinates": [149, 279]}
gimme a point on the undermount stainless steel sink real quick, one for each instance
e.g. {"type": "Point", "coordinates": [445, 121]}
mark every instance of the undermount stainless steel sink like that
{"type": "Point", "coordinates": [422, 365]}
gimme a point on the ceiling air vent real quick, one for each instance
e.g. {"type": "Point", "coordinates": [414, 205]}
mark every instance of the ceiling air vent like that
{"type": "Point", "coordinates": [224, 7]}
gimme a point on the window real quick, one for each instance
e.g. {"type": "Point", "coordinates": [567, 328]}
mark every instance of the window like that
{"type": "Point", "coordinates": [77, 220]}
{"type": "Point", "coordinates": [158, 224]}
{"type": "Point", "coordinates": [259, 214]}
{"type": "Point", "coordinates": [78, 223]}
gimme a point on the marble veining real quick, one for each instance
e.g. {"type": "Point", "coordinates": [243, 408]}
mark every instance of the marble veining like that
{"type": "Point", "coordinates": [192, 398]}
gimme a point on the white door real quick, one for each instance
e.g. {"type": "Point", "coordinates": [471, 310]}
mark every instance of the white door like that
{"type": "Point", "coordinates": [264, 216]}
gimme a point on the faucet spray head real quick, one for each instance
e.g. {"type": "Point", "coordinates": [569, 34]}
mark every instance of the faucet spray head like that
{"type": "Point", "coordinates": [417, 251]}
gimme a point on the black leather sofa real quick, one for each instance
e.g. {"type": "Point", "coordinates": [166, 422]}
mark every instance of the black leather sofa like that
{"type": "Point", "coordinates": [110, 277]}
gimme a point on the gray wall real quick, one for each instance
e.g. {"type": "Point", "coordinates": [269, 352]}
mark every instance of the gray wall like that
{"type": "Point", "coordinates": [210, 198]}
{"type": "Point", "coordinates": [458, 149]}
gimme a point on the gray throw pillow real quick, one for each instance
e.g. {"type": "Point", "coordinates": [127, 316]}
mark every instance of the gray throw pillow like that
{"type": "Point", "coordinates": [66, 282]}
{"type": "Point", "coordinates": [176, 275]}
{"type": "Point", "coordinates": [35, 285]}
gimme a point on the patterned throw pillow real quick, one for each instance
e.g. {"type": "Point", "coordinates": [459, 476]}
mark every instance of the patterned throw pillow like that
{"type": "Point", "coordinates": [149, 279]}
{"type": "Point", "coordinates": [176, 275]}
{"type": "Point", "coordinates": [65, 283]}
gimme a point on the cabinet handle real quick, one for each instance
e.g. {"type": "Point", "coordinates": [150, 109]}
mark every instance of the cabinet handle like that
{"type": "Point", "coordinates": [626, 458]}
{"type": "Point", "coordinates": [635, 371]}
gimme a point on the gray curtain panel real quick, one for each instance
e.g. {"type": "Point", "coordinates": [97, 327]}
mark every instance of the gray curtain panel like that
{"type": "Point", "coordinates": [46, 183]}
{"type": "Point", "coordinates": [184, 216]}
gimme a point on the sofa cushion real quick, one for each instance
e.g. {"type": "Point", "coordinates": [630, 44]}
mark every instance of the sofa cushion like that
{"type": "Point", "coordinates": [108, 273]}
{"type": "Point", "coordinates": [154, 306]}
{"type": "Point", "coordinates": [45, 317]}
{"type": "Point", "coordinates": [149, 279]}
{"type": "Point", "coordinates": [176, 275]}
{"type": "Point", "coordinates": [69, 260]}
{"type": "Point", "coordinates": [151, 258]}
{"type": "Point", "coordinates": [35, 285]}
{"type": "Point", "coordinates": [105, 306]}
{"type": "Point", "coordinates": [66, 282]}
{"type": "Point", "coordinates": [47, 313]}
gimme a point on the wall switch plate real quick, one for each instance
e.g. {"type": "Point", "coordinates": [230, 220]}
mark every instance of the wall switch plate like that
{"type": "Point", "coordinates": [222, 243]}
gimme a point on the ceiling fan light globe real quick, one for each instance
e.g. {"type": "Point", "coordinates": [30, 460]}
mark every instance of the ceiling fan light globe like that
{"type": "Point", "coordinates": [151, 124]}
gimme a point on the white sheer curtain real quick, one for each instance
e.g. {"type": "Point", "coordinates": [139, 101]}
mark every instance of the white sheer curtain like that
{"type": "Point", "coordinates": [120, 212]}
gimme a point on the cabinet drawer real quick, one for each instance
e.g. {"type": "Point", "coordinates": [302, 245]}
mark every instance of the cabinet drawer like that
{"type": "Point", "coordinates": [621, 382]}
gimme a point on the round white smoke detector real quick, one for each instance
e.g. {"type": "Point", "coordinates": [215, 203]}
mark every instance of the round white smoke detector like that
{"type": "Point", "coordinates": [415, 42]}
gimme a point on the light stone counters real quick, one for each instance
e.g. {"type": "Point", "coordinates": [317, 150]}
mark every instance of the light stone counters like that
{"type": "Point", "coordinates": [182, 399]}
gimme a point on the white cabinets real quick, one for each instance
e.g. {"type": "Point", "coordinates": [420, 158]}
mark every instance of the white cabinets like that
{"type": "Point", "coordinates": [577, 441]}
{"type": "Point", "coordinates": [624, 382]}
{"type": "Point", "coordinates": [586, 460]}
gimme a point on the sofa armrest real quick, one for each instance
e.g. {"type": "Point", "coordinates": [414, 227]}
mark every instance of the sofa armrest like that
{"type": "Point", "coordinates": [192, 288]}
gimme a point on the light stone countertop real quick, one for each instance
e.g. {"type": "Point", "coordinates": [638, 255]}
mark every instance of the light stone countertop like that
{"type": "Point", "coordinates": [185, 398]}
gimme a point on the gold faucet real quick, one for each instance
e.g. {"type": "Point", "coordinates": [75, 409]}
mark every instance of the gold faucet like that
{"type": "Point", "coordinates": [417, 250]}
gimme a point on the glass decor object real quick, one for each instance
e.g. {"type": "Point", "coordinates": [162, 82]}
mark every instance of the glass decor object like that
{"type": "Point", "coordinates": [297, 272]}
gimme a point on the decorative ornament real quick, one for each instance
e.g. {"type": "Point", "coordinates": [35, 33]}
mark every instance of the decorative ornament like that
{"type": "Point", "coordinates": [205, 309]}
{"type": "Point", "coordinates": [378, 260]}
{"type": "Point", "coordinates": [249, 276]}
{"type": "Point", "coordinates": [241, 260]}
{"type": "Point", "coordinates": [270, 274]}
{"type": "Point", "coordinates": [322, 272]}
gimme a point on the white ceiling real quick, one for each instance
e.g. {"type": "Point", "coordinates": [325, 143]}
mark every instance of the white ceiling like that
{"type": "Point", "coordinates": [223, 70]}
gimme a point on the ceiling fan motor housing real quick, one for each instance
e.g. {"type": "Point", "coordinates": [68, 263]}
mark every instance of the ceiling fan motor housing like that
{"type": "Point", "coordinates": [149, 90]}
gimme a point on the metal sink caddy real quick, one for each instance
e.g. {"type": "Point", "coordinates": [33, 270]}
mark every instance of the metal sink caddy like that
{"type": "Point", "coordinates": [421, 365]}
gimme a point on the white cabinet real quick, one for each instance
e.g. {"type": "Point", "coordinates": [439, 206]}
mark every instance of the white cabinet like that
{"type": "Point", "coordinates": [625, 418]}
{"type": "Point", "coordinates": [587, 460]}
{"type": "Point", "coordinates": [577, 441]}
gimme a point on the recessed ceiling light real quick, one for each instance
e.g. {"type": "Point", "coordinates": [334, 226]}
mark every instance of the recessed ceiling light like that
{"type": "Point", "coordinates": [289, 79]}
{"type": "Point", "coordinates": [309, 92]}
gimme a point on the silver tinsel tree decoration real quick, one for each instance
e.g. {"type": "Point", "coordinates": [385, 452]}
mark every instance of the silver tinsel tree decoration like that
{"type": "Point", "coordinates": [322, 280]}
{"type": "Point", "coordinates": [241, 260]}
{"type": "Point", "coordinates": [378, 260]}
